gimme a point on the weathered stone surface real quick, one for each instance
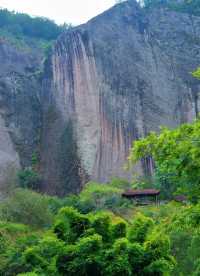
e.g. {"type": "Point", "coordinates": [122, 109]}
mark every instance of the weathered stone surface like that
{"type": "Point", "coordinates": [9, 158]}
{"type": "Point", "coordinates": [20, 108]}
{"type": "Point", "coordinates": [121, 75]}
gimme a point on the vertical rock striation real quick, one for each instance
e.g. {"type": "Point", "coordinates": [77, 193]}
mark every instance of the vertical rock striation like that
{"type": "Point", "coordinates": [116, 78]}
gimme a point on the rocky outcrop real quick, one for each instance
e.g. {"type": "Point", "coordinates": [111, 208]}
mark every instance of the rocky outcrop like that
{"type": "Point", "coordinates": [114, 79]}
{"type": "Point", "coordinates": [20, 108]}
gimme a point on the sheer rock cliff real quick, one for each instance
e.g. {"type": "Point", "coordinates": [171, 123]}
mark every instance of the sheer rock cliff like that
{"type": "Point", "coordinates": [20, 108]}
{"type": "Point", "coordinates": [106, 83]}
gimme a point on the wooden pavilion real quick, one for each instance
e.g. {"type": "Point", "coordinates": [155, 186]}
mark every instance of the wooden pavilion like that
{"type": "Point", "coordinates": [145, 196]}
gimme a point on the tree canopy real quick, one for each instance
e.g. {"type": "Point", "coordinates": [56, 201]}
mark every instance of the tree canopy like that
{"type": "Point", "coordinates": [177, 157]}
{"type": "Point", "coordinates": [35, 27]}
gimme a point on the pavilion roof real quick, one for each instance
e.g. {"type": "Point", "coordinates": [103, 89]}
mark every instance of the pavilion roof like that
{"type": "Point", "coordinates": [145, 192]}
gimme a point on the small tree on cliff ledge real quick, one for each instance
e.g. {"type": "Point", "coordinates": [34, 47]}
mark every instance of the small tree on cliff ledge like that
{"type": "Point", "coordinates": [196, 73]}
{"type": "Point", "coordinates": [177, 157]}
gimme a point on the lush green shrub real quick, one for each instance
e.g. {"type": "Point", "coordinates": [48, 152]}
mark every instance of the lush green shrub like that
{"type": "Point", "coordinates": [42, 257]}
{"type": "Point", "coordinates": [159, 267]}
{"type": "Point", "coordinates": [96, 196]}
{"type": "Point", "coordinates": [176, 157]}
{"type": "Point", "coordinates": [64, 262]}
{"type": "Point", "coordinates": [8, 231]}
{"type": "Point", "coordinates": [103, 249]}
{"type": "Point", "coordinates": [29, 178]}
{"type": "Point", "coordinates": [118, 229]}
{"type": "Point", "coordinates": [120, 183]}
{"type": "Point", "coordinates": [116, 260]}
{"type": "Point", "coordinates": [13, 228]}
{"type": "Point", "coordinates": [193, 251]}
{"type": "Point", "coordinates": [87, 245]}
{"type": "Point", "coordinates": [11, 258]}
{"type": "Point", "coordinates": [197, 269]}
{"type": "Point", "coordinates": [33, 259]}
{"type": "Point", "coordinates": [183, 228]}
{"type": "Point", "coordinates": [82, 258]}
{"type": "Point", "coordinates": [27, 207]}
{"type": "Point", "coordinates": [139, 228]}
{"type": "Point", "coordinates": [101, 222]}
{"type": "Point", "coordinates": [137, 258]}
{"type": "Point", "coordinates": [89, 249]}
{"type": "Point", "coordinates": [157, 246]}
{"type": "Point", "coordinates": [116, 265]}
{"type": "Point", "coordinates": [70, 224]}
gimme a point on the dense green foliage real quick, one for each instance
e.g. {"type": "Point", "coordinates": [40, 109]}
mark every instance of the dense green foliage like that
{"type": "Point", "coordinates": [54, 238]}
{"type": "Point", "coordinates": [182, 225]}
{"type": "Point", "coordinates": [28, 178]}
{"type": "Point", "coordinates": [104, 196]}
{"type": "Point", "coordinates": [20, 24]}
{"type": "Point", "coordinates": [196, 73]}
{"type": "Point", "coordinates": [27, 207]}
{"type": "Point", "coordinates": [176, 154]}
{"type": "Point", "coordinates": [29, 33]}
{"type": "Point", "coordinates": [77, 244]}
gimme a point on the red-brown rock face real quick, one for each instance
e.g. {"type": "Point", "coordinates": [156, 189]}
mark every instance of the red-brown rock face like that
{"type": "Point", "coordinates": [110, 82]}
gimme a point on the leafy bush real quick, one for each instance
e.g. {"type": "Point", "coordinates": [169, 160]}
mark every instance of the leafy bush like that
{"type": "Point", "coordinates": [29, 178]}
{"type": "Point", "coordinates": [118, 229]}
{"type": "Point", "coordinates": [182, 225]}
{"type": "Point", "coordinates": [42, 257]}
{"type": "Point", "coordinates": [70, 224]}
{"type": "Point", "coordinates": [101, 224]}
{"type": "Point", "coordinates": [120, 183]}
{"type": "Point", "coordinates": [159, 267]}
{"type": "Point", "coordinates": [94, 197]}
{"type": "Point", "coordinates": [176, 154]}
{"type": "Point", "coordinates": [116, 260]}
{"type": "Point", "coordinates": [97, 196]}
{"type": "Point", "coordinates": [27, 207]}
{"type": "Point", "coordinates": [157, 246]}
{"type": "Point", "coordinates": [87, 245]}
{"type": "Point", "coordinates": [103, 249]}
{"type": "Point", "coordinates": [139, 229]}
{"type": "Point", "coordinates": [11, 260]}
{"type": "Point", "coordinates": [82, 259]}
{"type": "Point", "coordinates": [137, 258]}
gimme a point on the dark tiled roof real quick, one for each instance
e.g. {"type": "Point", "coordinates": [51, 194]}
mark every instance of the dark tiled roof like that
{"type": "Point", "coordinates": [180, 198]}
{"type": "Point", "coordinates": [130, 193]}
